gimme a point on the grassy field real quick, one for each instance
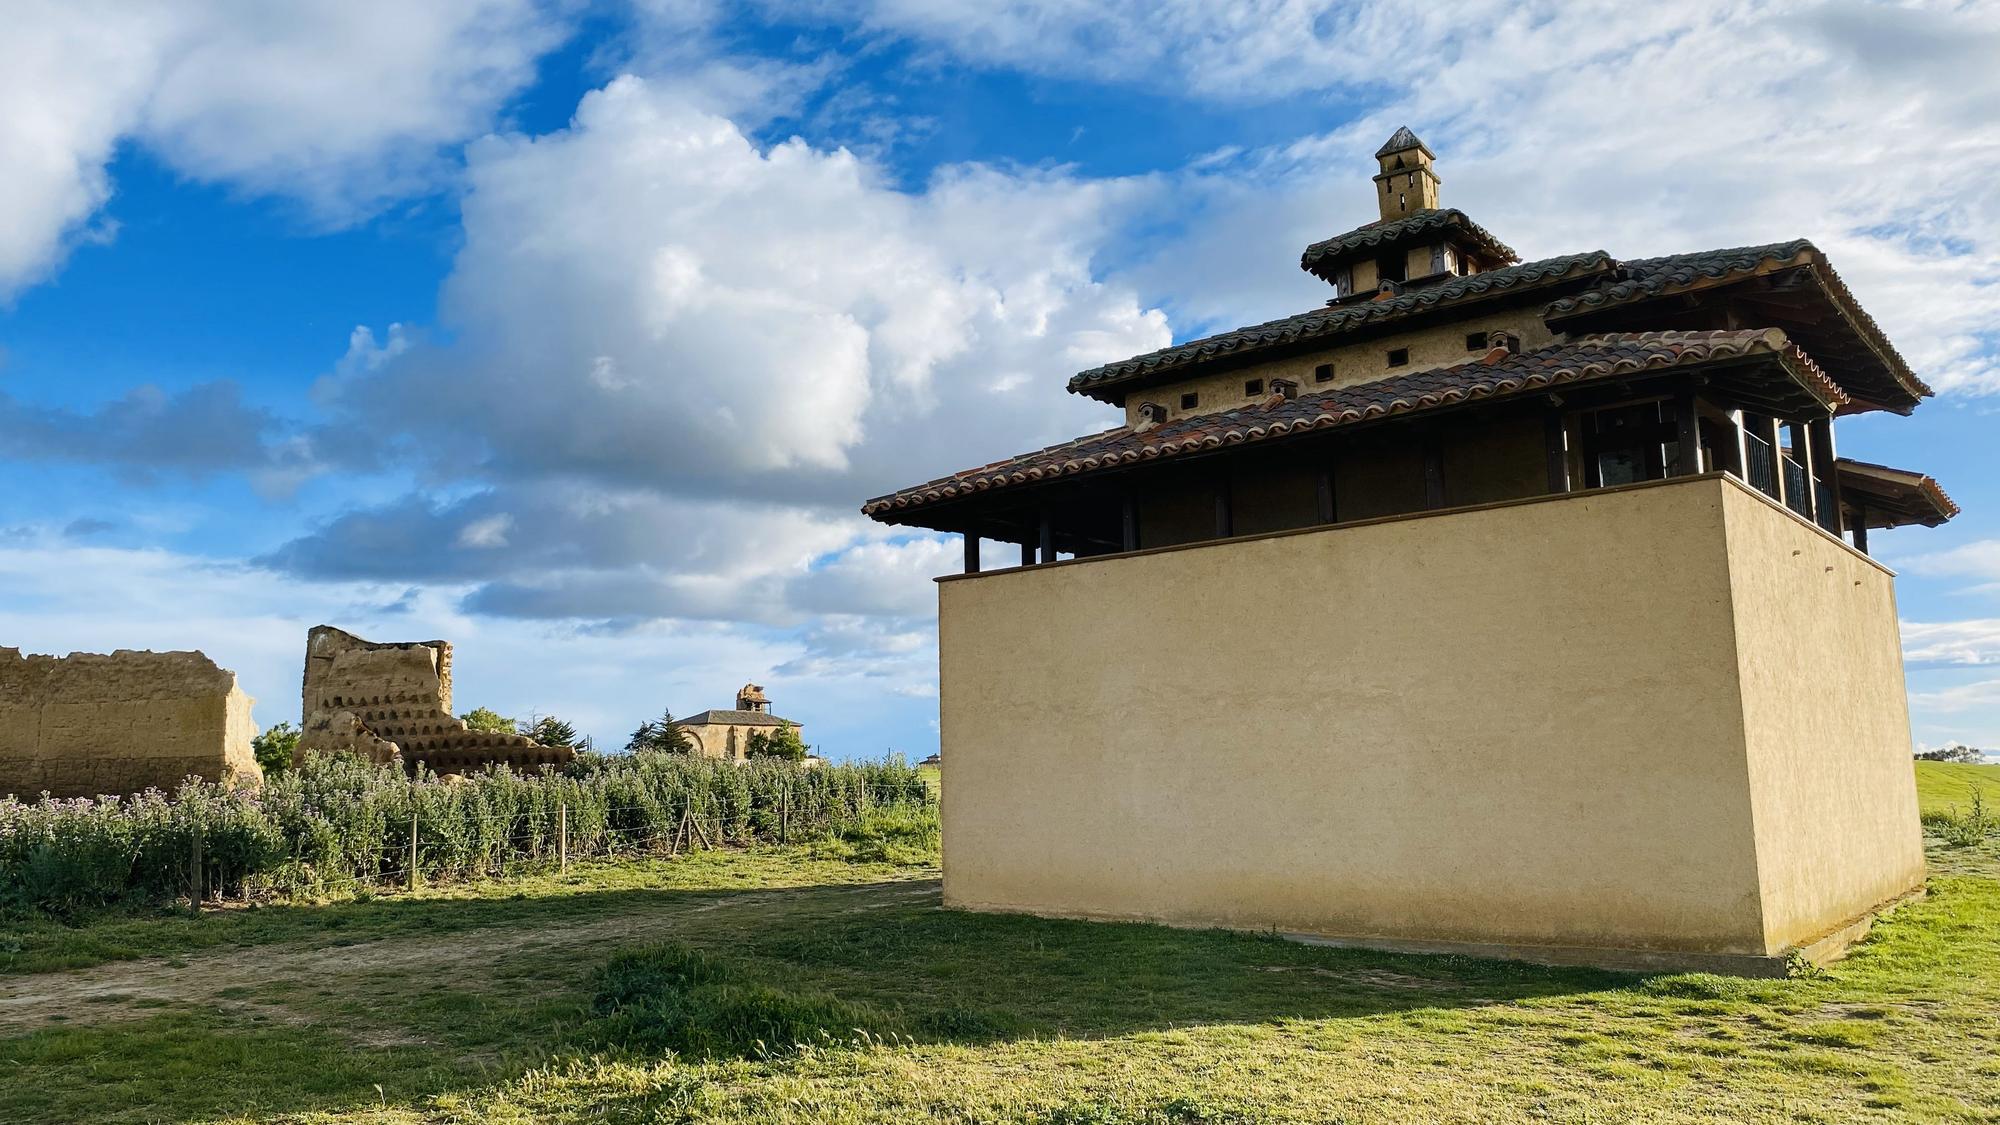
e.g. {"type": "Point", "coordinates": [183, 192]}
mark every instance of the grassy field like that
{"type": "Point", "coordinates": [665, 991]}
{"type": "Point", "coordinates": [1946, 785]}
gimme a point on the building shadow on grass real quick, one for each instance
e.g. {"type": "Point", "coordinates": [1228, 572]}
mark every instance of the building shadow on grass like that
{"type": "Point", "coordinates": [729, 973]}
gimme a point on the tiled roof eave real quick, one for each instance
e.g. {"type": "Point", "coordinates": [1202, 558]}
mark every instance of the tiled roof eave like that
{"type": "Point", "coordinates": [1923, 483]}
{"type": "Point", "coordinates": [1324, 324]}
{"type": "Point", "coordinates": [1322, 255]}
{"type": "Point", "coordinates": [1654, 278]}
{"type": "Point", "coordinates": [1596, 357]}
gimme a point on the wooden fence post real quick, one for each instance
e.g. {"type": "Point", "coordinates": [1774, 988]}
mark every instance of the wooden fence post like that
{"type": "Point", "coordinates": [196, 871]}
{"type": "Point", "coordinates": [562, 836]}
{"type": "Point", "coordinates": [413, 850]}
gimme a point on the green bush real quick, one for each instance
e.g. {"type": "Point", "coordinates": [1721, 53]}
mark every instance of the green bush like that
{"type": "Point", "coordinates": [274, 747]}
{"type": "Point", "coordinates": [337, 824]}
{"type": "Point", "coordinates": [1963, 829]}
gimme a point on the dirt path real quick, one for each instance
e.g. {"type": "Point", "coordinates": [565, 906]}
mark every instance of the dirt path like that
{"type": "Point", "coordinates": [223, 979]}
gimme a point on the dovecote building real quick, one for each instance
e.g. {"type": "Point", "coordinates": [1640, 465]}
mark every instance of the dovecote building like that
{"type": "Point", "coordinates": [1494, 606]}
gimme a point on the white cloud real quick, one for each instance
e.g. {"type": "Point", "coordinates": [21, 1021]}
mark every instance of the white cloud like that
{"type": "Point", "coordinates": [487, 533]}
{"type": "Point", "coordinates": [365, 353]}
{"type": "Point", "coordinates": [1959, 698]}
{"type": "Point", "coordinates": [1952, 642]}
{"type": "Point", "coordinates": [341, 105]}
{"type": "Point", "coordinates": [1639, 129]}
{"type": "Point", "coordinates": [889, 578]}
{"type": "Point", "coordinates": [649, 297]}
{"type": "Point", "coordinates": [679, 361]}
{"type": "Point", "coordinates": [201, 431]}
{"type": "Point", "coordinates": [65, 597]}
{"type": "Point", "coordinates": [1978, 560]}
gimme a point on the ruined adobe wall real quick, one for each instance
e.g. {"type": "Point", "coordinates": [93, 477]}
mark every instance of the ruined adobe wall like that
{"type": "Point", "coordinates": [389, 701]}
{"type": "Point", "coordinates": [89, 724]}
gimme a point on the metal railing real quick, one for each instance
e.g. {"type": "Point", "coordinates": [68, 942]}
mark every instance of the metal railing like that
{"type": "Point", "coordinates": [1796, 496]}
{"type": "Point", "coordinates": [1760, 469]}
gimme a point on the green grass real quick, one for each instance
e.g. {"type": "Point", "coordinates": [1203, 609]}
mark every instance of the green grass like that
{"type": "Point", "coordinates": [824, 984]}
{"type": "Point", "coordinates": [1944, 785]}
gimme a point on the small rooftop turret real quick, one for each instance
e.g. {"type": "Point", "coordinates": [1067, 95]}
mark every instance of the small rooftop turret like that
{"type": "Point", "coordinates": [1415, 244]}
{"type": "Point", "coordinates": [1407, 183]}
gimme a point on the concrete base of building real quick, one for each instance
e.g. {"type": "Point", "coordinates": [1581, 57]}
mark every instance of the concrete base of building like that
{"type": "Point", "coordinates": [1823, 950]}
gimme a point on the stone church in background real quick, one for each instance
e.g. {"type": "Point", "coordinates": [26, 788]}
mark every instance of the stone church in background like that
{"type": "Point", "coordinates": [726, 734]}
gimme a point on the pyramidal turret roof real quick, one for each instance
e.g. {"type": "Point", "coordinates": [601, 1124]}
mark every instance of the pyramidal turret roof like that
{"type": "Point", "coordinates": [1404, 139]}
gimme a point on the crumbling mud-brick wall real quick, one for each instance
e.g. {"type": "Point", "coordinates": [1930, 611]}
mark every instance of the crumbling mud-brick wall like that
{"type": "Point", "coordinates": [392, 701]}
{"type": "Point", "coordinates": [88, 724]}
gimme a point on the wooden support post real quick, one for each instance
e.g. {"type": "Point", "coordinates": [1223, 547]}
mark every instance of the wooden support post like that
{"type": "Point", "coordinates": [1224, 518]}
{"type": "Point", "coordinates": [412, 873]}
{"type": "Point", "coordinates": [1828, 463]}
{"type": "Point", "coordinates": [972, 552]}
{"type": "Point", "coordinates": [1045, 534]}
{"type": "Point", "coordinates": [1128, 519]}
{"type": "Point", "coordinates": [1688, 418]}
{"type": "Point", "coordinates": [1742, 446]}
{"type": "Point", "coordinates": [1329, 507]}
{"type": "Point", "coordinates": [562, 837]}
{"type": "Point", "coordinates": [1028, 551]}
{"type": "Point", "coordinates": [1433, 473]}
{"type": "Point", "coordinates": [1802, 452]}
{"type": "Point", "coordinates": [1771, 434]}
{"type": "Point", "coordinates": [1861, 528]}
{"type": "Point", "coordinates": [1555, 436]}
{"type": "Point", "coordinates": [197, 872]}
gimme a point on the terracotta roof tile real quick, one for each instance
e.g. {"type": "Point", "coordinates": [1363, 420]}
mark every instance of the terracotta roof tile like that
{"type": "Point", "coordinates": [1646, 278]}
{"type": "Point", "coordinates": [1335, 320]}
{"type": "Point", "coordinates": [1591, 357]}
{"type": "Point", "coordinates": [1383, 234]}
{"type": "Point", "coordinates": [1905, 492]}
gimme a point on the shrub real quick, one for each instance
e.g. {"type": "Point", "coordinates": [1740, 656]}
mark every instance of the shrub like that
{"type": "Point", "coordinates": [551, 731]}
{"type": "Point", "coordinates": [486, 720]}
{"type": "Point", "coordinates": [661, 736]}
{"type": "Point", "coordinates": [1963, 830]}
{"type": "Point", "coordinates": [337, 824]}
{"type": "Point", "coordinates": [782, 742]}
{"type": "Point", "coordinates": [274, 747]}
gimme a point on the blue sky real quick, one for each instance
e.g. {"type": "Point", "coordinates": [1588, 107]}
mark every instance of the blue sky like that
{"type": "Point", "coordinates": [576, 332]}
